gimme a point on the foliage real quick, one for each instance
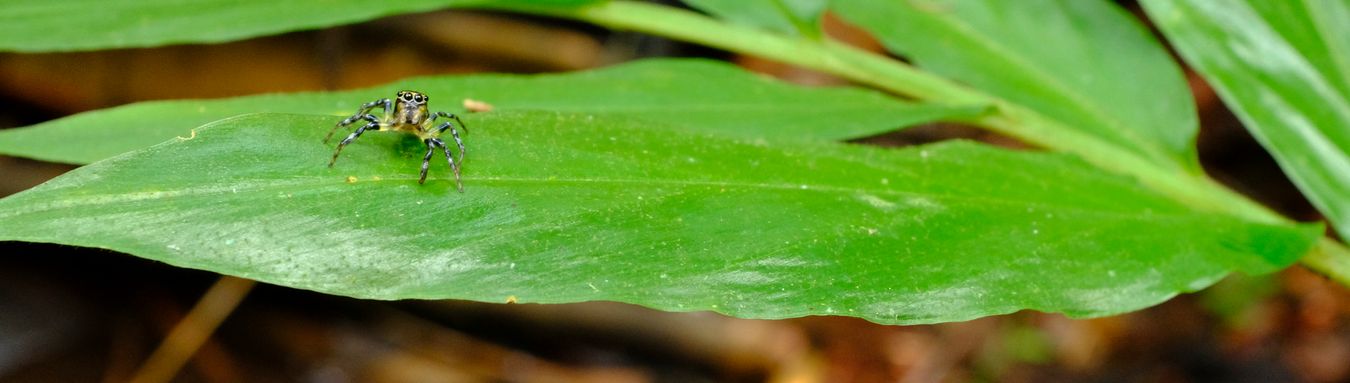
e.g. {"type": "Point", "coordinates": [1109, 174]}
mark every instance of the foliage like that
{"type": "Point", "coordinates": [566, 207]}
{"type": "Point", "coordinates": [698, 95]}
{"type": "Point", "coordinates": [1284, 66]}
{"type": "Point", "coordinates": [70, 25]}
{"type": "Point", "coordinates": [585, 193]}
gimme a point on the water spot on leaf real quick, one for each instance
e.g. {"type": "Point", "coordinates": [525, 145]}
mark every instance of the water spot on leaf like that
{"type": "Point", "coordinates": [877, 202]}
{"type": "Point", "coordinates": [923, 203]}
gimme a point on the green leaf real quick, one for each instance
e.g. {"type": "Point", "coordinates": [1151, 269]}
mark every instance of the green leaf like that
{"type": "Point", "coordinates": [1084, 63]}
{"type": "Point", "coordinates": [1284, 67]}
{"type": "Point", "coordinates": [562, 207]}
{"type": "Point", "coordinates": [793, 17]}
{"type": "Point", "coordinates": [697, 94]}
{"type": "Point", "coordinates": [69, 25]}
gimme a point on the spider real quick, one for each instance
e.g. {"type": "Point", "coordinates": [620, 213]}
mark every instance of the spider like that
{"type": "Point", "coordinates": [409, 115]}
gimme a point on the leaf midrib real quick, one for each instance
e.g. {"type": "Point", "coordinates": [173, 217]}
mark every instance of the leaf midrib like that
{"type": "Point", "coordinates": [807, 106]}
{"type": "Point", "coordinates": [74, 200]}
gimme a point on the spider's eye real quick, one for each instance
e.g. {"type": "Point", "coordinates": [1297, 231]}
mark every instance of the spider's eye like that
{"type": "Point", "coordinates": [417, 98]}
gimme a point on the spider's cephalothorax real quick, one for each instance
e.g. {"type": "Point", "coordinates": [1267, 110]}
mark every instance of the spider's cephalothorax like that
{"type": "Point", "coordinates": [410, 115]}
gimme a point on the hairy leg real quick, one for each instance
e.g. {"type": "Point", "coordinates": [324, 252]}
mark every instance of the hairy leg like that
{"type": "Point", "coordinates": [426, 161]}
{"type": "Point", "coordinates": [450, 159]}
{"type": "Point", "coordinates": [362, 113]}
{"type": "Point", "coordinates": [351, 138]}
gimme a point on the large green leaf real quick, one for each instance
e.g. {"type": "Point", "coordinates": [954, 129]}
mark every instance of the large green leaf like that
{"type": "Point", "coordinates": [794, 17]}
{"type": "Point", "coordinates": [700, 95]}
{"type": "Point", "coordinates": [1084, 63]}
{"type": "Point", "coordinates": [67, 25]}
{"type": "Point", "coordinates": [1284, 66]}
{"type": "Point", "coordinates": [562, 207]}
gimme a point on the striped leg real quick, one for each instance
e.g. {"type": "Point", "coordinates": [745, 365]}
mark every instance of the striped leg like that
{"type": "Point", "coordinates": [426, 160]}
{"type": "Point", "coordinates": [362, 113]}
{"type": "Point", "coordinates": [450, 116]}
{"type": "Point", "coordinates": [369, 119]}
{"type": "Point", "coordinates": [352, 137]}
{"type": "Point", "coordinates": [453, 133]}
{"type": "Point", "coordinates": [450, 159]}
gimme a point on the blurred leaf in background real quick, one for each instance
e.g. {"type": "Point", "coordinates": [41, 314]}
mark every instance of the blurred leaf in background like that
{"type": "Point", "coordinates": [792, 17]}
{"type": "Point", "coordinates": [1284, 67]}
{"type": "Point", "coordinates": [46, 26]}
{"type": "Point", "coordinates": [698, 95]}
{"type": "Point", "coordinates": [1086, 64]}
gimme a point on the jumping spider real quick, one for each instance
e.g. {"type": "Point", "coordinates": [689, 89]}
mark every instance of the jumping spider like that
{"type": "Point", "coordinates": [409, 115]}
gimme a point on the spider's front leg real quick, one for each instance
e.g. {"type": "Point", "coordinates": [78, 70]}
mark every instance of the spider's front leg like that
{"type": "Point", "coordinates": [352, 137]}
{"type": "Point", "coordinates": [453, 133]}
{"type": "Point", "coordinates": [362, 114]}
{"type": "Point", "coordinates": [432, 143]}
{"type": "Point", "coordinates": [426, 160]}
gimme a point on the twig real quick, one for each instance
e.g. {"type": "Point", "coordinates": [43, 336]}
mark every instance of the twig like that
{"type": "Point", "coordinates": [185, 338]}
